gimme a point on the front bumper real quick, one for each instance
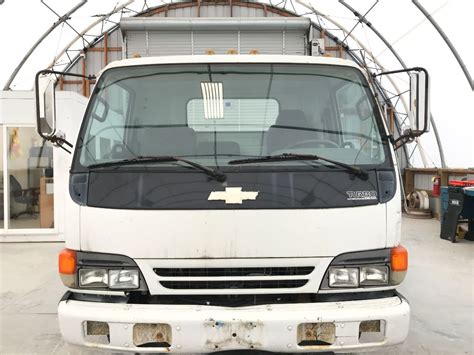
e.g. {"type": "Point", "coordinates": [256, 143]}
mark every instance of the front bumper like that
{"type": "Point", "coordinates": [205, 329]}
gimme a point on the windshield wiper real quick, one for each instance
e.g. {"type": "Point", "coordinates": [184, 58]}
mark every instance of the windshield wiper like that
{"type": "Point", "coordinates": [215, 173]}
{"type": "Point", "coordinates": [294, 156]}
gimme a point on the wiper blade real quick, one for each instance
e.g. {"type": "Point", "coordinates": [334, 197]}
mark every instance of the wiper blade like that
{"type": "Point", "coordinates": [294, 156]}
{"type": "Point", "coordinates": [215, 173]}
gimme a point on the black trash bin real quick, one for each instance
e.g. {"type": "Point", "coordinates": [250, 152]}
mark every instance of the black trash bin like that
{"type": "Point", "coordinates": [460, 206]}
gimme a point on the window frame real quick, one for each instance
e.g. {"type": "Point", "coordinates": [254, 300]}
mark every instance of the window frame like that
{"type": "Point", "coordinates": [22, 234]}
{"type": "Point", "coordinates": [379, 124]}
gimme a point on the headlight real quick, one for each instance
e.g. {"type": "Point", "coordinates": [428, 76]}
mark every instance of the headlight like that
{"type": "Point", "coordinates": [99, 271]}
{"type": "Point", "coordinates": [373, 275]}
{"type": "Point", "coordinates": [367, 269]}
{"type": "Point", "coordinates": [343, 277]}
{"type": "Point", "coordinates": [93, 278]}
{"type": "Point", "coordinates": [124, 279]}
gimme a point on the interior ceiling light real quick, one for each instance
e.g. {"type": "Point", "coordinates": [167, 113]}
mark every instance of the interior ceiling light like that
{"type": "Point", "coordinates": [213, 97]}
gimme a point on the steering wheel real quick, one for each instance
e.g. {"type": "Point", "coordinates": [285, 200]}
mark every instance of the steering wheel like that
{"type": "Point", "coordinates": [312, 143]}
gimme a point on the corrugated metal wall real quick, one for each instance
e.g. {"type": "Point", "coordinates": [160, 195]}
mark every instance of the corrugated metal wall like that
{"type": "Point", "coordinates": [162, 43]}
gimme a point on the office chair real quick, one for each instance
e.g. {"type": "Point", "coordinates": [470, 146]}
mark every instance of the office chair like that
{"type": "Point", "coordinates": [28, 197]}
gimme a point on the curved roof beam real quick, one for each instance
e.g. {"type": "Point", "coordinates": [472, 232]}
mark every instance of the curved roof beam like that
{"type": "Point", "coordinates": [402, 63]}
{"type": "Point", "coordinates": [307, 5]}
{"type": "Point", "coordinates": [311, 7]}
{"type": "Point", "coordinates": [62, 19]}
{"type": "Point", "coordinates": [448, 42]}
{"type": "Point", "coordinates": [87, 29]}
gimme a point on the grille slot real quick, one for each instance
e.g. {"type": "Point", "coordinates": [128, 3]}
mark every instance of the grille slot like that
{"type": "Point", "coordinates": [220, 285]}
{"type": "Point", "coordinates": [233, 278]}
{"type": "Point", "coordinates": [232, 272]}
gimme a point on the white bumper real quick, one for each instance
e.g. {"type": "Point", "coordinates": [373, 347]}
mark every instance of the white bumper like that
{"type": "Point", "coordinates": [208, 328]}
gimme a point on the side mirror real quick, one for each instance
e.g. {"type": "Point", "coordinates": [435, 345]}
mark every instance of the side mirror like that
{"type": "Point", "coordinates": [45, 85]}
{"type": "Point", "coordinates": [419, 112]}
{"type": "Point", "coordinates": [419, 101]}
{"type": "Point", "coordinates": [45, 104]}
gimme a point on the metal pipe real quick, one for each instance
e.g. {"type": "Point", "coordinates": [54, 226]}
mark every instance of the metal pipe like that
{"type": "Point", "coordinates": [62, 19]}
{"type": "Point", "coordinates": [402, 63]}
{"type": "Point", "coordinates": [87, 29]}
{"type": "Point", "coordinates": [311, 7]}
{"type": "Point", "coordinates": [364, 20]}
{"type": "Point", "coordinates": [353, 28]}
{"type": "Point", "coordinates": [448, 42]}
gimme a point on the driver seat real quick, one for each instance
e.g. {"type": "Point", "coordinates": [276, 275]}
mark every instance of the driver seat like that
{"type": "Point", "coordinates": [289, 129]}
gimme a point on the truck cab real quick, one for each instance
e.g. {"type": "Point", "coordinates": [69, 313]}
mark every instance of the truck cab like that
{"type": "Point", "coordinates": [231, 202]}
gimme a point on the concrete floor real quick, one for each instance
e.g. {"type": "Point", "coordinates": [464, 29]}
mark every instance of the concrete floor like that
{"type": "Point", "coordinates": [439, 286]}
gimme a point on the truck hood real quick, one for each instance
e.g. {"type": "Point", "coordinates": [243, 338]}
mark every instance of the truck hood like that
{"type": "Point", "coordinates": [175, 234]}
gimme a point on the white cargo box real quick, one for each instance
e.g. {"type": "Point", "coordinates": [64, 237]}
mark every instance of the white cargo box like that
{"type": "Point", "coordinates": [146, 37]}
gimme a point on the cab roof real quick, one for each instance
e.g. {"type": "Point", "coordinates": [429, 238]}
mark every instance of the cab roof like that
{"type": "Point", "coordinates": [257, 58]}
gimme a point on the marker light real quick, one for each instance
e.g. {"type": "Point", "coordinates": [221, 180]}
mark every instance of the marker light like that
{"type": "Point", "coordinates": [398, 264]}
{"type": "Point", "coordinates": [343, 277]}
{"type": "Point", "coordinates": [399, 259]}
{"type": "Point", "coordinates": [67, 261]}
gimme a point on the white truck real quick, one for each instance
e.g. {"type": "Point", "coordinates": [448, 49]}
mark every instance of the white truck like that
{"type": "Point", "coordinates": [231, 202]}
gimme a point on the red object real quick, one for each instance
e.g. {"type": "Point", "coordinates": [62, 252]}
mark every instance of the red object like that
{"type": "Point", "coordinates": [461, 183]}
{"type": "Point", "coordinates": [436, 185]}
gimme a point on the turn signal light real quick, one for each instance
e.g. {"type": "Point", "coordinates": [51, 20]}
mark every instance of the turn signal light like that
{"type": "Point", "coordinates": [67, 262]}
{"type": "Point", "coordinates": [399, 259]}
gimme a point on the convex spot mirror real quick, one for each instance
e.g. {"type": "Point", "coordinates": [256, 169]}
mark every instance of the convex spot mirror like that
{"type": "Point", "coordinates": [100, 109]}
{"type": "Point", "coordinates": [364, 110]}
{"type": "Point", "coordinates": [45, 104]}
{"type": "Point", "coordinates": [419, 101]}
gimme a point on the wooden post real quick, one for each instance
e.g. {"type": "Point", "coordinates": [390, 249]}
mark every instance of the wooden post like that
{"type": "Point", "coordinates": [106, 48]}
{"type": "Point", "coordinates": [444, 177]}
{"type": "Point", "coordinates": [409, 181]}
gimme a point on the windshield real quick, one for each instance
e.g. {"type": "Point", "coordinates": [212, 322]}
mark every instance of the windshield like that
{"type": "Point", "coordinates": [215, 113]}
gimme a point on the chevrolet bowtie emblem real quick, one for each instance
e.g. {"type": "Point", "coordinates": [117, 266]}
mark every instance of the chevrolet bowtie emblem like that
{"type": "Point", "coordinates": [233, 195]}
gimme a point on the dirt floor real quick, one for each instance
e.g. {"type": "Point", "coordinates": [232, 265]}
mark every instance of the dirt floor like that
{"type": "Point", "coordinates": [439, 287]}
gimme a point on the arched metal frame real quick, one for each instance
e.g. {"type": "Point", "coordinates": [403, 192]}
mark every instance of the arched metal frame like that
{"type": "Point", "coordinates": [361, 55]}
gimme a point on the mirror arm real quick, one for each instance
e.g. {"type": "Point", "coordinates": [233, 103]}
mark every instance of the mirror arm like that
{"type": "Point", "coordinates": [59, 140]}
{"type": "Point", "coordinates": [48, 71]}
{"type": "Point", "coordinates": [389, 137]}
{"type": "Point", "coordinates": [406, 138]}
